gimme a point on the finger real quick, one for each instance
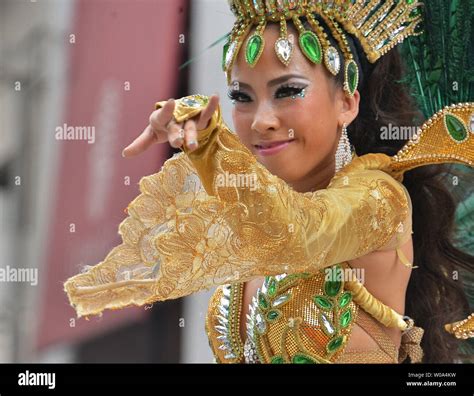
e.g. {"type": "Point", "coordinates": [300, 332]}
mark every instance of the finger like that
{"type": "Point", "coordinates": [160, 119]}
{"type": "Point", "coordinates": [161, 133]}
{"type": "Point", "coordinates": [190, 133]}
{"type": "Point", "coordinates": [141, 143]}
{"type": "Point", "coordinates": [176, 135]}
{"type": "Point", "coordinates": [207, 113]}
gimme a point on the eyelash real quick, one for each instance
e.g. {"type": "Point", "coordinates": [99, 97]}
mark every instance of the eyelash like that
{"type": "Point", "coordinates": [291, 89]}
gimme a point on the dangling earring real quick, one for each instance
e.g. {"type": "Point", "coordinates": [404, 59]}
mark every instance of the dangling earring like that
{"type": "Point", "coordinates": [343, 152]}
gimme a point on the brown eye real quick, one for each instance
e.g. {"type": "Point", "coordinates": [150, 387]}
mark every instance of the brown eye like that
{"type": "Point", "coordinates": [238, 96]}
{"type": "Point", "coordinates": [284, 92]}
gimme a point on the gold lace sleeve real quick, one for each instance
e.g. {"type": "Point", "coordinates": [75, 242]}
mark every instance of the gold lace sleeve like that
{"type": "Point", "coordinates": [216, 216]}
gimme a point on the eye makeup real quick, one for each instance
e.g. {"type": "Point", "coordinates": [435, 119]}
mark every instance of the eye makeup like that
{"type": "Point", "coordinates": [284, 91]}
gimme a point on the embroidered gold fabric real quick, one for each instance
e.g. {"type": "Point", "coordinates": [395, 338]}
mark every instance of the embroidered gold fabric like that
{"type": "Point", "coordinates": [188, 232]}
{"type": "Point", "coordinates": [309, 335]}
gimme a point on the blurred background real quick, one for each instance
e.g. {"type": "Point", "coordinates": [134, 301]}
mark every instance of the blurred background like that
{"type": "Point", "coordinates": [97, 66]}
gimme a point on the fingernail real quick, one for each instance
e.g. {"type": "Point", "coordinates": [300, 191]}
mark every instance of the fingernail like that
{"type": "Point", "coordinates": [192, 144]}
{"type": "Point", "coordinates": [178, 141]}
{"type": "Point", "coordinates": [123, 153]}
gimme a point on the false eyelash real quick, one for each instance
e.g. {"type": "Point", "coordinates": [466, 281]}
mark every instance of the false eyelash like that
{"type": "Point", "coordinates": [290, 87]}
{"type": "Point", "coordinates": [234, 95]}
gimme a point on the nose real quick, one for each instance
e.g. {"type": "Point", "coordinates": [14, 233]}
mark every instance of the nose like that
{"type": "Point", "coordinates": [265, 119]}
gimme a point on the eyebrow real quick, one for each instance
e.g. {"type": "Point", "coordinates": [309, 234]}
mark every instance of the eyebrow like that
{"type": "Point", "coordinates": [273, 82]}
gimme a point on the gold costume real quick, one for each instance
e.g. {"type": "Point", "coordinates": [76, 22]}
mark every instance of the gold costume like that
{"type": "Point", "coordinates": [188, 232]}
{"type": "Point", "coordinates": [217, 217]}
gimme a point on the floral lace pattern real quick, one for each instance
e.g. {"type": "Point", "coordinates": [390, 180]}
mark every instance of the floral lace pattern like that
{"type": "Point", "coordinates": [187, 232]}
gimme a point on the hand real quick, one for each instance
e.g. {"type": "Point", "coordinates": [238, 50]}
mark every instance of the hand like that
{"type": "Point", "coordinates": [163, 128]}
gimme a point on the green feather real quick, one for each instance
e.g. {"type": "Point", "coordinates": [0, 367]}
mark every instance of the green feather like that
{"type": "Point", "coordinates": [440, 72]}
{"type": "Point", "coordinates": [219, 40]}
{"type": "Point", "coordinates": [440, 62]}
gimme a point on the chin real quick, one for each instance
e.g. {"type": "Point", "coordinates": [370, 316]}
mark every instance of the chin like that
{"type": "Point", "coordinates": [279, 171]}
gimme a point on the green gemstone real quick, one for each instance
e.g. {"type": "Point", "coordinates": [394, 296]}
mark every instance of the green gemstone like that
{"type": "Point", "coordinates": [415, 12]}
{"type": "Point", "coordinates": [253, 49]}
{"type": "Point", "coordinates": [277, 360]}
{"type": "Point", "coordinates": [333, 285]}
{"type": "Point", "coordinates": [455, 127]}
{"type": "Point", "coordinates": [352, 76]}
{"type": "Point", "coordinates": [303, 359]}
{"type": "Point", "coordinates": [322, 302]}
{"type": "Point", "coordinates": [332, 288]}
{"type": "Point", "coordinates": [273, 315]}
{"type": "Point", "coordinates": [335, 344]}
{"type": "Point", "coordinates": [262, 301]}
{"type": "Point", "coordinates": [224, 54]}
{"type": "Point", "coordinates": [311, 47]}
{"type": "Point", "coordinates": [410, 2]}
{"type": "Point", "coordinates": [345, 319]}
{"type": "Point", "coordinates": [345, 299]}
{"type": "Point", "coordinates": [272, 287]}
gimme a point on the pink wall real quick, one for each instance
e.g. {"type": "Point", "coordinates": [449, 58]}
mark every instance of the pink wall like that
{"type": "Point", "coordinates": [115, 42]}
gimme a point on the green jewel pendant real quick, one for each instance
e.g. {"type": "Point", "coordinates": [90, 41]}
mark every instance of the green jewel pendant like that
{"type": "Point", "coordinates": [224, 53]}
{"type": "Point", "coordinates": [311, 46]}
{"type": "Point", "coordinates": [351, 78]}
{"type": "Point", "coordinates": [456, 128]}
{"type": "Point", "coordinates": [254, 49]}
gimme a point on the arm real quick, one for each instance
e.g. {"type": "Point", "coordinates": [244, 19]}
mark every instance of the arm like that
{"type": "Point", "coordinates": [190, 229]}
{"type": "Point", "coordinates": [362, 210]}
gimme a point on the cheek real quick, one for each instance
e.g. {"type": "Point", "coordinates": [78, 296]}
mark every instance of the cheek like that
{"type": "Point", "coordinates": [314, 124]}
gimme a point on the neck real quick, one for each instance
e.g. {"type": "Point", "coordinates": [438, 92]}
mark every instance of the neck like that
{"type": "Point", "coordinates": [317, 179]}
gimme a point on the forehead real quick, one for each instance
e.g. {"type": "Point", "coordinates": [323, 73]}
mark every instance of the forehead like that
{"type": "Point", "coordinates": [269, 66]}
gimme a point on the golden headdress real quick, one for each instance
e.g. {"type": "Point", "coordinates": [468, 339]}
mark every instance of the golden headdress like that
{"type": "Point", "coordinates": [378, 26]}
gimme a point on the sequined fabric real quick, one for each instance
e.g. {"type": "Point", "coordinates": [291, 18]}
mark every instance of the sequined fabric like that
{"type": "Point", "coordinates": [311, 331]}
{"type": "Point", "coordinates": [185, 232]}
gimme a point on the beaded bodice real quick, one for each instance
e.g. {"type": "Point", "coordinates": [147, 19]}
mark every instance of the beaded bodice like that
{"type": "Point", "coordinates": [298, 318]}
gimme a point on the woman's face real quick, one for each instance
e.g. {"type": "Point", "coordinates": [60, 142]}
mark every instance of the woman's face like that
{"type": "Point", "coordinates": [308, 126]}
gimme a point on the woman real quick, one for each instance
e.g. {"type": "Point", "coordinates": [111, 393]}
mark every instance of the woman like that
{"type": "Point", "coordinates": [310, 240]}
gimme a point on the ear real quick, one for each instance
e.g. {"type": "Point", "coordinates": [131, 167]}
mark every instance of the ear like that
{"type": "Point", "coordinates": [349, 107]}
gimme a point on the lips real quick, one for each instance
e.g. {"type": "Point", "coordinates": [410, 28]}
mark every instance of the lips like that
{"type": "Point", "coordinates": [267, 145]}
{"type": "Point", "coordinates": [272, 148]}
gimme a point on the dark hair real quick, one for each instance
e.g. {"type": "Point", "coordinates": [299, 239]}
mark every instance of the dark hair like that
{"type": "Point", "coordinates": [434, 295]}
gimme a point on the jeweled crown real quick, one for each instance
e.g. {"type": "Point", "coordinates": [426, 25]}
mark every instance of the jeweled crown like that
{"type": "Point", "coordinates": [378, 25]}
